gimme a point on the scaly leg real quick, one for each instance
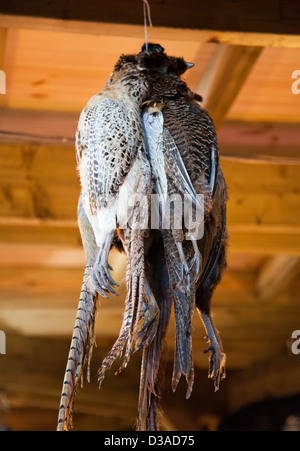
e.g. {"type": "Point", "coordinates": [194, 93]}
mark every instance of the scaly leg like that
{"type": "Point", "coordinates": [217, 359]}
{"type": "Point", "coordinates": [184, 266]}
{"type": "Point", "coordinates": [196, 261]}
{"type": "Point", "coordinates": [102, 280]}
{"type": "Point", "coordinates": [195, 264]}
{"type": "Point", "coordinates": [150, 316]}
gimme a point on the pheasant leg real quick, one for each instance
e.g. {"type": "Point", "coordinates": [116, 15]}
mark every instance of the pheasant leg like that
{"type": "Point", "coordinates": [196, 261]}
{"type": "Point", "coordinates": [150, 317]}
{"type": "Point", "coordinates": [102, 280]}
{"type": "Point", "coordinates": [184, 266]}
{"type": "Point", "coordinates": [217, 359]}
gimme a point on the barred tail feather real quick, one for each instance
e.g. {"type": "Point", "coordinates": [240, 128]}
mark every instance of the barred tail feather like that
{"type": "Point", "coordinates": [118, 347]}
{"type": "Point", "coordinates": [135, 279]}
{"type": "Point", "coordinates": [151, 370]}
{"type": "Point", "coordinates": [81, 349]}
{"type": "Point", "coordinates": [184, 303]}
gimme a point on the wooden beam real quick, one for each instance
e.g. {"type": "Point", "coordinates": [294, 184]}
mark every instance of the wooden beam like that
{"type": "Point", "coordinates": [43, 301]}
{"type": "Point", "coordinates": [236, 138]}
{"type": "Point", "coordinates": [40, 182]}
{"type": "Point", "coordinates": [32, 373]}
{"type": "Point", "coordinates": [38, 375]}
{"type": "Point", "coordinates": [39, 189]}
{"type": "Point", "coordinates": [53, 232]}
{"type": "Point", "coordinates": [156, 34]}
{"type": "Point", "coordinates": [262, 194]}
{"type": "Point", "coordinates": [27, 171]}
{"type": "Point", "coordinates": [49, 127]}
{"type": "Point", "coordinates": [31, 380]}
{"type": "Point", "coordinates": [265, 240]}
{"type": "Point", "coordinates": [42, 256]}
{"type": "Point", "coordinates": [276, 275]}
{"type": "Point", "coordinates": [253, 239]}
{"type": "Point", "coordinates": [3, 88]}
{"type": "Point", "coordinates": [44, 304]}
{"type": "Point", "coordinates": [224, 78]}
{"type": "Point", "coordinates": [259, 139]}
{"type": "Point", "coordinates": [57, 287]}
{"type": "Point", "coordinates": [255, 16]}
{"type": "Point", "coordinates": [3, 35]}
{"type": "Point", "coordinates": [276, 377]}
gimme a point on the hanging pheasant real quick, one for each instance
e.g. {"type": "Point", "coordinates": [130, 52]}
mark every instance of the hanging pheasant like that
{"type": "Point", "coordinates": [145, 133]}
{"type": "Point", "coordinates": [113, 169]}
{"type": "Point", "coordinates": [184, 159]}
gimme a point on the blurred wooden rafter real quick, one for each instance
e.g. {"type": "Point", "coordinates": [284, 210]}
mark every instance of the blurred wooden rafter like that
{"type": "Point", "coordinates": [224, 78]}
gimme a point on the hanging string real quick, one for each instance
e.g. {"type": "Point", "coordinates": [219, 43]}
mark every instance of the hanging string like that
{"type": "Point", "coordinates": [147, 18]}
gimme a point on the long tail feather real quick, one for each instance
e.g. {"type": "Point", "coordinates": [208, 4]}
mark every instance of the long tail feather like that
{"type": "Point", "coordinates": [118, 347]}
{"type": "Point", "coordinates": [137, 257]}
{"type": "Point", "coordinates": [183, 292]}
{"type": "Point", "coordinates": [151, 371]}
{"type": "Point", "coordinates": [80, 351]}
{"type": "Point", "coordinates": [135, 279]}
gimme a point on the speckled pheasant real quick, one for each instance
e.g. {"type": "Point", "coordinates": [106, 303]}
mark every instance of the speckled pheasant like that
{"type": "Point", "coordinates": [145, 134]}
{"type": "Point", "coordinates": [115, 178]}
{"type": "Point", "coordinates": [181, 131]}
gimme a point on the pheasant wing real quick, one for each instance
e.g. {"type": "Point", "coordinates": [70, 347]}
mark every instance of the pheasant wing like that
{"type": "Point", "coordinates": [107, 142]}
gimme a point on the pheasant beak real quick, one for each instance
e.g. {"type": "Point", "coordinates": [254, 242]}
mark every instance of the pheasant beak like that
{"type": "Point", "coordinates": [190, 65]}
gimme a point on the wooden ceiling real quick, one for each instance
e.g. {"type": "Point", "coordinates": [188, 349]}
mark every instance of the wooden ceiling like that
{"type": "Point", "coordinates": [50, 74]}
{"type": "Point", "coordinates": [54, 62]}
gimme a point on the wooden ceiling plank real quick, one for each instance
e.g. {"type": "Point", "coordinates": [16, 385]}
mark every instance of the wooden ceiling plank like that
{"type": "Point", "coordinates": [155, 34]}
{"type": "Point", "coordinates": [225, 77]}
{"type": "Point", "coordinates": [54, 81]}
{"type": "Point", "coordinates": [3, 40]}
{"type": "Point", "coordinates": [252, 239]}
{"type": "Point", "coordinates": [276, 275]}
{"type": "Point", "coordinates": [269, 327]}
{"type": "Point", "coordinates": [3, 35]}
{"type": "Point", "coordinates": [238, 15]}
{"type": "Point", "coordinates": [275, 377]}
{"type": "Point", "coordinates": [270, 240]}
{"type": "Point", "coordinates": [40, 183]}
{"type": "Point", "coordinates": [236, 138]}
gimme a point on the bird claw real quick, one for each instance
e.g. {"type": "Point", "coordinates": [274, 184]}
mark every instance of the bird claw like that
{"type": "Point", "coordinates": [102, 280]}
{"type": "Point", "coordinates": [217, 362]}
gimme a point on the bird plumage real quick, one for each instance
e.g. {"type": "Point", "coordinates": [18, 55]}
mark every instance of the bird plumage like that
{"type": "Point", "coordinates": [194, 134]}
{"type": "Point", "coordinates": [146, 134]}
{"type": "Point", "coordinates": [113, 169]}
{"type": "Point", "coordinates": [83, 336]}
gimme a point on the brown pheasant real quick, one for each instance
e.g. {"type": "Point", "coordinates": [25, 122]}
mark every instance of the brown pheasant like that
{"type": "Point", "coordinates": [113, 206]}
{"type": "Point", "coordinates": [185, 134]}
{"type": "Point", "coordinates": [145, 133]}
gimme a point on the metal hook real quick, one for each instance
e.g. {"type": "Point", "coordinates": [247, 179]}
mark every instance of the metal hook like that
{"type": "Point", "coordinates": [147, 12]}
